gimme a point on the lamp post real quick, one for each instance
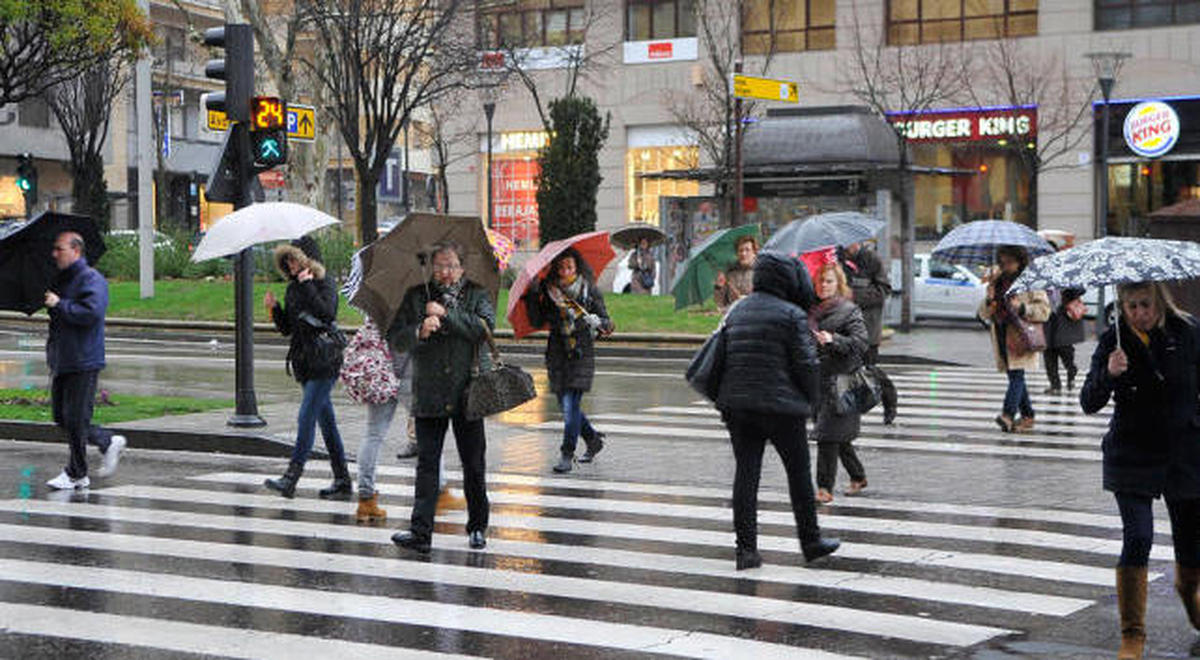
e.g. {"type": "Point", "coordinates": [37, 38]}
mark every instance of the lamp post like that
{"type": "Point", "coordinates": [1107, 66]}
{"type": "Point", "coordinates": [487, 94]}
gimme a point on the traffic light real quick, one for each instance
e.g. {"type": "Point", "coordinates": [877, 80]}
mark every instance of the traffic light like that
{"type": "Point", "coordinates": [268, 132]}
{"type": "Point", "coordinates": [237, 69]}
{"type": "Point", "coordinates": [27, 180]}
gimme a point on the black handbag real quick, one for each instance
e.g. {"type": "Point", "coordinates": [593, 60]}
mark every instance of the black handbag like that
{"type": "Point", "coordinates": [857, 391]}
{"type": "Point", "coordinates": [704, 373]}
{"type": "Point", "coordinates": [328, 341]}
{"type": "Point", "coordinates": [503, 387]}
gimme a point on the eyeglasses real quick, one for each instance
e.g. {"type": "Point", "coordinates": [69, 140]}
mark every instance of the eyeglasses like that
{"type": "Point", "coordinates": [446, 268]}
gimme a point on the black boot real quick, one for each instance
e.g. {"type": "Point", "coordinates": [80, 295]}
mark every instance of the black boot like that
{"type": "Point", "coordinates": [748, 559]}
{"type": "Point", "coordinates": [342, 487]}
{"type": "Point", "coordinates": [594, 445]}
{"type": "Point", "coordinates": [286, 485]}
{"type": "Point", "coordinates": [564, 463]}
{"type": "Point", "coordinates": [814, 550]}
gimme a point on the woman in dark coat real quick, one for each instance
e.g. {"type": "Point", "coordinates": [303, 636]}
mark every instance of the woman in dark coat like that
{"type": "Point", "coordinates": [1152, 447]}
{"type": "Point", "coordinates": [568, 301]}
{"type": "Point", "coordinates": [841, 334]}
{"type": "Point", "coordinates": [310, 302]}
{"type": "Point", "coordinates": [767, 388]}
{"type": "Point", "coordinates": [1062, 333]}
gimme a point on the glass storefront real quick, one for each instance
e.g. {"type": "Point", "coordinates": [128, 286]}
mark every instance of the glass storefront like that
{"type": "Point", "coordinates": [642, 194]}
{"type": "Point", "coordinates": [515, 171]}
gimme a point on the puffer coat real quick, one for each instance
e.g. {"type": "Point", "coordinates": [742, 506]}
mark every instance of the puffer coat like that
{"type": "Point", "coordinates": [317, 297]}
{"type": "Point", "coordinates": [1152, 446]}
{"type": "Point", "coordinates": [770, 361]}
{"type": "Point", "coordinates": [843, 355]}
{"type": "Point", "coordinates": [568, 368]}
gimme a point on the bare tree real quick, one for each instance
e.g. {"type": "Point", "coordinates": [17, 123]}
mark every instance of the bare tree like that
{"type": "Point", "coordinates": [442, 135]}
{"type": "Point", "coordinates": [903, 78]}
{"type": "Point", "coordinates": [378, 61]}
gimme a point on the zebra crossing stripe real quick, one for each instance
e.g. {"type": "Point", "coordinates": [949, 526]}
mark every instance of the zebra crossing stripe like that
{"type": "Point", "coordinates": [925, 529]}
{"type": "Point", "coordinates": [930, 416]}
{"type": "Point", "coordinates": [392, 609]}
{"type": "Point", "coordinates": [200, 639]}
{"type": "Point", "coordinates": [1005, 565]}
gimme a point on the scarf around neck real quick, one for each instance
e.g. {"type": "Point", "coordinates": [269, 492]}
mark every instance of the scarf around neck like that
{"type": "Point", "coordinates": [822, 309]}
{"type": "Point", "coordinates": [448, 295]}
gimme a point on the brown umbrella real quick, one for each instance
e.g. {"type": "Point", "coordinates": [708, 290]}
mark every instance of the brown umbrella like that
{"type": "Point", "coordinates": [386, 269]}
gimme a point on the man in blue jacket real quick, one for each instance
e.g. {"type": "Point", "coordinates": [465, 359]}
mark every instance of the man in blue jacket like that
{"type": "Point", "coordinates": [77, 302]}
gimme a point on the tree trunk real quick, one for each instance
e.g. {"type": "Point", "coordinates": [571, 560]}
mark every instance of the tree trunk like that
{"type": "Point", "coordinates": [90, 191]}
{"type": "Point", "coordinates": [365, 204]}
{"type": "Point", "coordinates": [907, 237]}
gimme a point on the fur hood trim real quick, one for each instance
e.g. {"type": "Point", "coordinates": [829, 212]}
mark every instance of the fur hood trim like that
{"type": "Point", "coordinates": [291, 252]}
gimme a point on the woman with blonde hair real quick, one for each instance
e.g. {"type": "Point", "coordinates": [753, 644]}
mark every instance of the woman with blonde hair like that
{"type": "Point", "coordinates": [838, 327]}
{"type": "Point", "coordinates": [1147, 364]}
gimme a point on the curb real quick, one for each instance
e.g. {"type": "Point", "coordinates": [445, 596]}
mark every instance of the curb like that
{"type": "Point", "coordinates": [216, 443]}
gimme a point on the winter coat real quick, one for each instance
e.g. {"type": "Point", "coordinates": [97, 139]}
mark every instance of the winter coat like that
{"type": "Point", "coordinates": [770, 361]}
{"type": "Point", "coordinates": [441, 363]}
{"type": "Point", "coordinates": [1035, 308]}
{"type": "Point", "coordinates": [76, 339]}
{"type": "Point", "coordinates": [317, 297]}
{"type": "Point", "coordinates": [1152, 446]}
{"type": "Point", "coordinates": [869, 282]}
{"type": "Point", "coordinates": [1061, 331]}
{"type": "Point", "coordinates": [568, 368]}
{"type": "Point", "coordinates": [843, 355]}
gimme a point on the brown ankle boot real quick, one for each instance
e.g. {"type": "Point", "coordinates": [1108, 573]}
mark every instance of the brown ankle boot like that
{"type": "Point", "coordinates": [448, 501]}
{"type": "Point", "coordinates": [1187, 580]}
{"type": "Point", "coordinates": [369, 511]}
{"type": "Point", "coordinates": [1131, 604]}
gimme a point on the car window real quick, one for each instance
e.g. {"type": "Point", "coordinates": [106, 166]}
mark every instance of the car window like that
{"type": "Point", "coordinates": [941, 269]}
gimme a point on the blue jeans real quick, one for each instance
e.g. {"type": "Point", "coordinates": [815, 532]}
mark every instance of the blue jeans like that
{"type": "Point", "coordinates": [316, 407]}
{"type": "Point", "coordinates": [574, 421]}
{"type": "Point", "coordinates": [1017, 396]}
{"type": "Point", "coordinates": [1137, 530]}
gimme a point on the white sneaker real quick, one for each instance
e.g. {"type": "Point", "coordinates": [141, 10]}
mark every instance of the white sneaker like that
{"type": "Point", "coordinates": [112, 457]}
{"type": "Point", "coordinates": [65, 482]}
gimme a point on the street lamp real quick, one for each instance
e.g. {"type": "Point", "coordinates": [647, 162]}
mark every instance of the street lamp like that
{"type": "Point", "coordinates": [1107, 65]}
{"type": "Point", "coordinates": [487, 95]}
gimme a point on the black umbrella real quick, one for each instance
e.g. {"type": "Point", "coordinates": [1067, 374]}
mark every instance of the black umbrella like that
{"type": "Point", "coordinates": [628, 237]}
{"type": "Point", "coordinates": [26, 266]}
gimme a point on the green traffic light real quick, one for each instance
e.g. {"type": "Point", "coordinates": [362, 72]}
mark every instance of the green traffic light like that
{"type": "Point", "coordinates": [24, 184]}
{"type": "Point", "coordinates": [268, 150]}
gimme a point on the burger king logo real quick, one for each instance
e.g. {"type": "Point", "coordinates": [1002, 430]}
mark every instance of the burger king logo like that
{"type": "Point", "coordinates": [1151, 129]}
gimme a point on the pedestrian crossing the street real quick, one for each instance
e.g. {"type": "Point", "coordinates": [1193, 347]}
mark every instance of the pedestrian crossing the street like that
{"type": "Point", "coordinates": [213, 565]}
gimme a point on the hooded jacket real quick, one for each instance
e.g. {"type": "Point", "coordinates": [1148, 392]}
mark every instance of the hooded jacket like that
{"type": "Point", "coordinates": [316, 297]}
{"type": "Point", "coordinates": [770, 362]}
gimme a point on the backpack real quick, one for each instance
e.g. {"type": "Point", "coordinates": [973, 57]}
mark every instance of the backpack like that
{"type": "Point", "coordinates": [368, 374]}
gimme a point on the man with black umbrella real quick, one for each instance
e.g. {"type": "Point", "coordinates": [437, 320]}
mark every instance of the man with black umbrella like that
{"type": "Point", "coordinates": [869, 282]}
{"type": "Point", "coordinates": [77, 302]}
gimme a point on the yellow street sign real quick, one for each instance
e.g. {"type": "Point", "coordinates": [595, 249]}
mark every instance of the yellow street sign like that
{"type": "Point", "coordinates": [217, 121]}
{"type": "Point", "coordinates": [301, 122]}
{"type": "Point", "coordinates": [749, 87]}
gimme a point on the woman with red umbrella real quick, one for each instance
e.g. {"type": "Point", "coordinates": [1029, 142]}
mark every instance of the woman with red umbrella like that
{"type": "Point", "coordinates": [567, 300]}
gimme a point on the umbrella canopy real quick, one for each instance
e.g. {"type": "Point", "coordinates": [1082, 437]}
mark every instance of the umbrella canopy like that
{"type": "Point", "coordinates": [502, 248]}
{"type": "Point", "coordinates": [259, 223]}
{"type": "Point", "coordinates": [401, 259]}
{"type": "Point", "coordinates": [26, 266]}
{"type": "Point", "coordinates": [818, 231]}
{"type": "Point", "coordinates": [630, 235]}
{"type": "Point", "coordinates": [596, 251]}
{"type": "Point", "coordinates": [1112, 260]}
{"type": "Point", "coordinates": [975, 243]}
{"type": "Point", "coordinates": [694, 283]}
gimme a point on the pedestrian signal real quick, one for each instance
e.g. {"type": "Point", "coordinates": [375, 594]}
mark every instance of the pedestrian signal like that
{"type": "Point", "coordinates": [267, 112]}
{"type": "Point", "coordinates": [269, 148]}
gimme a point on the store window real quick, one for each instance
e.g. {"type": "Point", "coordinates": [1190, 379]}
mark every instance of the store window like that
{"type": "Point", "coordinates": [978, 182]}
{"type": "Point", "coordinates": [515, 171]}
{"type": "Point", "coordinates": [933, 21]}
{"type": "Point", "coordinates": [1121, 14]}
{"type": "Point", "coordinates": [643, 193]}
{"type": "Point", "coordinates": [530, 23]}
{"type": "Point", "coordinates": [659, 19]}
{"type": "Point", "coordinates": [783, 26]}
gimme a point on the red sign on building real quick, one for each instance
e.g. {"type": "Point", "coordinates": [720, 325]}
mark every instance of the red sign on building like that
{"type": "Point", "coordinates": [514, 200]}
{"type": "Point", "coordinates": [662, 50]}
{"type": "Point", "coordinates": [967, 125]}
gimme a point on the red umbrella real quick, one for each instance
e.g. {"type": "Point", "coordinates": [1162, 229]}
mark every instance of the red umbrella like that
{"type": "Point", "coordinates": [596, 251]}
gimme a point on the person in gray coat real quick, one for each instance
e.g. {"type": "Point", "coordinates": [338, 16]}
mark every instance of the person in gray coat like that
{"type": "Point", "coordinates": [841, 334]}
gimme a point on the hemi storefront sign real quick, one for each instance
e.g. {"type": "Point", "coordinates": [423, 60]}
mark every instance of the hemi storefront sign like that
{"type": "Point", "coordinates": [661, 50]}
{"type": "Point", "coordinates": [967, 125]}
{"type": "Point", "coordinates": [1151, 129]}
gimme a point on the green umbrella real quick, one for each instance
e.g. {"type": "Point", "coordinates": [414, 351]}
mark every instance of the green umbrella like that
{"type": "Point", "coordinates": [694, 284]}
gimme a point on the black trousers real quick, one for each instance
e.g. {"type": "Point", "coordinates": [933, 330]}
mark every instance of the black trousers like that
{"type": "Point", "coordinates": [1137, 529]}
{"type": "Point", "coordinates": [887, 390]}
{"type": "Point", "coordinates": [472, 448]}
{"type": "Point", "coordinates": [1051, 357]}
{"type": "Point", "coordinates": [828, 454]}
{"type": "Point", "coordinates": [749, 432]}
{"type": "Point", "coordinates": [72, 397]}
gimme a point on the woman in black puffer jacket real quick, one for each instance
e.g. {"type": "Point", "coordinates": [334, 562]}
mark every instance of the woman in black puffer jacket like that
{"type": "Point", "coordinates": [1152, 448]}
{"type": "Point", "coordinates": [841, 334]}
{"type": "Point", "coordinates": [768, 379]}
{"type": "Point", "coordinates": [310, 301]}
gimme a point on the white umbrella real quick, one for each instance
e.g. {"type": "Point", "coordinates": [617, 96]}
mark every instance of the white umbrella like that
{"type": "Point", "coordinates": [259, 223]}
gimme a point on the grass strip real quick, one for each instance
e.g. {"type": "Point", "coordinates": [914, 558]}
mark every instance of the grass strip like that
{"type": "Point", "coordinates": [33, 405]}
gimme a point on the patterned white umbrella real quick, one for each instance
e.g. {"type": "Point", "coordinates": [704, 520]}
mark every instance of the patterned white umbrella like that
{"type": "Point", "coordinates": [259, 223]}
{"type": "Point", "coordinates": [1112, 260]}
{"type": "Point", "coordinates": [976, 243]}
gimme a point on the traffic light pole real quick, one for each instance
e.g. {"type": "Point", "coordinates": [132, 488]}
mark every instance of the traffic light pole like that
{"type": "Point", "coordinates": [246, 402]}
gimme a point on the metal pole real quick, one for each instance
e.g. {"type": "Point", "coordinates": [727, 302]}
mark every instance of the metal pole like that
{"type": "Point", "coordinates": [145, 154]}
{"type": "Point", "coordinates": [737, 156]}
{"type": "Point", "coordinates": [246, 410]}
{"type": "Point", "coordinates": [404, 173]}
{"type": "Point", "coordinates": [1106, 85]}
{"type": "Point", "coordinates": [489, 109]}
{"type": "Point", "coordinates": [339, 179]}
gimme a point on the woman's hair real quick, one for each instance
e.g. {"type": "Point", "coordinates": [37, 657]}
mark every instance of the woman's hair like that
{"type": "Point", "coordinates": [1164, 302]}
{"type": "Point", "coordinates": [843, 288]}
{"type": "Point", "coordinates": [1015, 252]}
{"type": "Point", "coordinates": [448, 246]}
{"type": "Point", "coordinates": [737, 245]}
{"type": "Point", "coordinates": [581, 266]}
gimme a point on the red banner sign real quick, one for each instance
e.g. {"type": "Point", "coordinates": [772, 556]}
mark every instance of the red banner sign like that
{"type": "Point", "coordinates": [514, 200]}
{"type": "Point", "coordinates": [968, 125]}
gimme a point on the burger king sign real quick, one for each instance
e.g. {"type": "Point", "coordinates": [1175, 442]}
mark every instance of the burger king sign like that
{"type": "Point", "coordinates": [1151, 129]}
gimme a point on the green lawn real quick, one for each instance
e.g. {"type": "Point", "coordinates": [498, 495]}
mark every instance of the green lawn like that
{"type": "Point", "coordinates": [201, 300]}
{"type": "Point", "coordinates": [34, 406]}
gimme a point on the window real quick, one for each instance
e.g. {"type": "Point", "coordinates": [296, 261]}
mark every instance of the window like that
{"type": "Point", "coordinates": [33, 112]}
{"type": "Point", "coordinates": [643, 193]}
{"type": "Point", "coordinates": [530, 23]}
{"type": "Point", "coordinates": [783, 26]}
{"type": "Point", "coordinates": [1120, 14]}
{"type": "Point", "coordinates": [646, 20]}
{"type": "Point", "coordinates": [932, 21]}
